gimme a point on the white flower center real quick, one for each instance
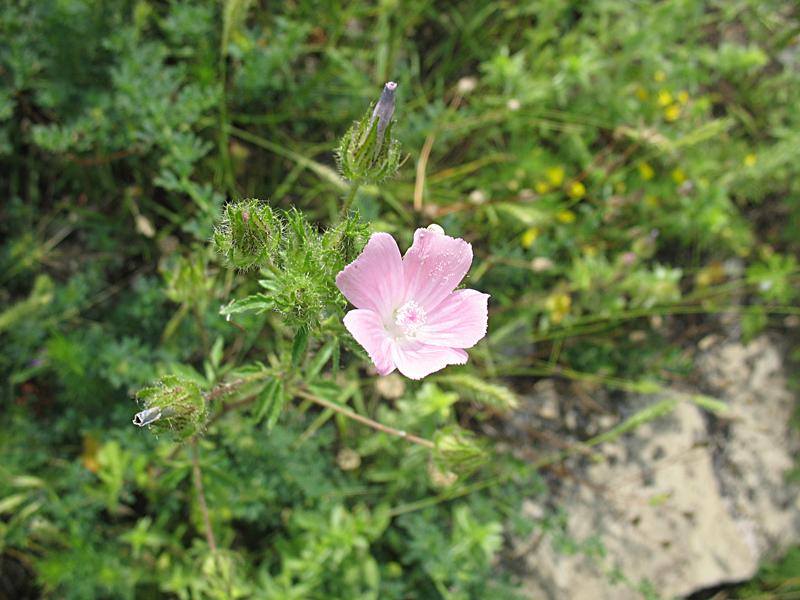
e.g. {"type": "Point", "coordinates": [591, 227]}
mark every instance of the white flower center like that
{"type": "Point", "coordinates": [410, 317]}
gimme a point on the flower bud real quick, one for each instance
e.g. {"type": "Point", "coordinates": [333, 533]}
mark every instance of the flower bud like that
{"type": "Point", "coordinates": [367, 153]}
{"type": "Point", "coordinates": [173, 406]}
{"type": "Point", "coordinates": [247, 235]}
{"type": "Point", "coordinates": [384, 109]}
{"type": "Point", "coordinates": [458, 451]}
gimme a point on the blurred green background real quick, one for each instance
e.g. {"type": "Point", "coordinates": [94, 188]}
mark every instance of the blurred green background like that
{"type": "Point", "coordinates": [624, 170]}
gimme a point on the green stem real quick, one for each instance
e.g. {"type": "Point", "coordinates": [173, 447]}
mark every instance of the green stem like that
{"type": "Point", "coordinates": [364, 420]}
{"type": "Point", "coordinates": [349, 200]}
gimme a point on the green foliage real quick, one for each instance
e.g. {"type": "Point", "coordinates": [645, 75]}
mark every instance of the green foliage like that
{"type": "Point", "coordinates": [774, 580]}
{"type": "Point", "coordinates": [247, 235]}
{"type": "Point", "coordinates": [623, 171]}
{"type": "Point", "coordinates": [300, 266]}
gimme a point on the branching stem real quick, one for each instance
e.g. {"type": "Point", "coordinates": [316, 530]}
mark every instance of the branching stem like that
{"type": "Point", "coordinates": [365, 420]}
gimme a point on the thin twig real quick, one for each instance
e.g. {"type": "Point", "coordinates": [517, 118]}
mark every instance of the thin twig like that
{"type": "Point", "coordinates": [92, 161]}
{"type": "Point", "coordinates": [201, 497]}
{"type": "Point", "coordinates": [365, 420]}
{"type": "Point", "coordinates": [419, 185]}
{"type": "Point", "coordinates": [224, 388]}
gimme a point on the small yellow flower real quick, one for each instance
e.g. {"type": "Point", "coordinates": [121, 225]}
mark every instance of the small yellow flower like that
{"type": "Point", "coordinates": [566, 216]}
{"type": "Point", "coordinates": [678, 176]}
{"type": "Point", "coordinates": [530, 236]}
{"type": "Point", "coordinates": [541, 187]}
{"type": "Point", "coordinates": [576, 190]}
{"type": "Point", "coordinates": [750, 160]}
{"type": "Point", "coordinates": [683, 97]}
{"type": "Point", "coordinates": [589, 250]}
{"type": "Point", "coordinates": [555, 175]}
{"type": "Point", "coordinates": [646, 171]}
{"type": "Point", "coordinates": [651, 201]}
{"type": "Point", "coordinates": [672, 112]}
{"type": "Point", "coordinates": [664, 98]}
{"type": "Point", "coordinates": [620, 187]}
{"type": "Point", "coordinates": [642, 94]}
{"type": "Point", "coordinates": [558, 305]}
{"type": "Point", "coordinates": [711, 274]}
{"type": "Point", "coordinates": [659, 76]}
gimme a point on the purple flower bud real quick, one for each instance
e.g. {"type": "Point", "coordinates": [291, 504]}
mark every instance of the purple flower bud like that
{"type": "Point", "coordinates": [384, 109]}
{"type": "Point", "coordinates": [367, 152]}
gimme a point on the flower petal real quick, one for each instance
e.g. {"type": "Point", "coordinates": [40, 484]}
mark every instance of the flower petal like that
{"type": "Point", "coordinates": [415, 360]}
{"type": "Point", "coordinates": [367, 328]}
{"type": "Point", "coordinates": [433, 267]}
{"type": "Point", "coordinates": [459, 321]}
{"type": "Point", "coordinates": [375, 279]}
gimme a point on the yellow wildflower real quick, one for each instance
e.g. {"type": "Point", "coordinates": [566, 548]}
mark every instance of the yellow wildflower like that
{"type": "Point", "coordinates": [558, 304]}
{"type": "Point", "coordinates": [683, 97]}
{"type": "Point", "coordinates": [664, 98]}
{"type": "Point", "coordinates": [576, 190]}
{"type": "Point", "coordinates": [750, 160]}
{"type": "Point", "coordinates": [672, 112]}
{"type": "Point", "coordinates": [555, 175]}
{"type": "Point", "coordinates": [541, 187]}
{"type": "Point", "coordinates": [530, 236]}
{"type": "Point", "coordinates": [711, 274]}
{"type": "Point", "coordinates": [566, 216]}
{"type": "Point", "coordinates": [651, 201]}
{"type": "Point", "coordinates": [646, 171]}
{"type": "Point", "coordinates": [659, 76]}
{"type": "Point", "coordinates": [642, 94]}
{"type": "Point", "coordinates": [678, 176]}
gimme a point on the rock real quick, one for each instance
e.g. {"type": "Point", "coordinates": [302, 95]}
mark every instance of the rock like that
{"type": "Point", "coordinates": [541, 403]}
{"type": "Point", "coordinates": [571, 420]}
{"type": "Point", "coordinates": [685, 502]}
{"type": "Point", "coordinates": [757, 453]}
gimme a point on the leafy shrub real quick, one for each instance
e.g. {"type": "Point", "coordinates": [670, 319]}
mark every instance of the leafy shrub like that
{"type": "Point", "coordinates": [615, 167]}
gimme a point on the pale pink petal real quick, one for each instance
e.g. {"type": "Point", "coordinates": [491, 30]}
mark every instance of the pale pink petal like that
{"type": "Point", "coordinates": [375, 279]}
{"type": "Point", "coordinates": [415, 360]}
{"type": "Point", "coordinates": [458, 322]}
{"type": "Point", "coordinates": [367, 328]}
{"type": "Point", "coordinates": [433, 267]}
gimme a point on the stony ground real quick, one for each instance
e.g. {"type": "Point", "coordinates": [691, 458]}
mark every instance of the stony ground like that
{"type": "Point", "coordinates": [684, 503]}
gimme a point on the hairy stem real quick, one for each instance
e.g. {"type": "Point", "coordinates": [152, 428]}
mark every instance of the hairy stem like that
{"type": "Point", "coordinates": [349, 200]}
{"type": "Point", "coordinates": [365, 420]}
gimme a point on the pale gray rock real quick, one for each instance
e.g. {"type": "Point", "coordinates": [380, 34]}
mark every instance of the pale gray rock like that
{"type": "Point", "coordinates": [683, 503]}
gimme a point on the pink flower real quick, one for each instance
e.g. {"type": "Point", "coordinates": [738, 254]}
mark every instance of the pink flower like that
{"type": "Point", "coordinates": [408, 316]}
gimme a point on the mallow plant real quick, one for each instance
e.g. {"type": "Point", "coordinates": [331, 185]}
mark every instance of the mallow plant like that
{"type": "Point", "coordinates": [406, 313]}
